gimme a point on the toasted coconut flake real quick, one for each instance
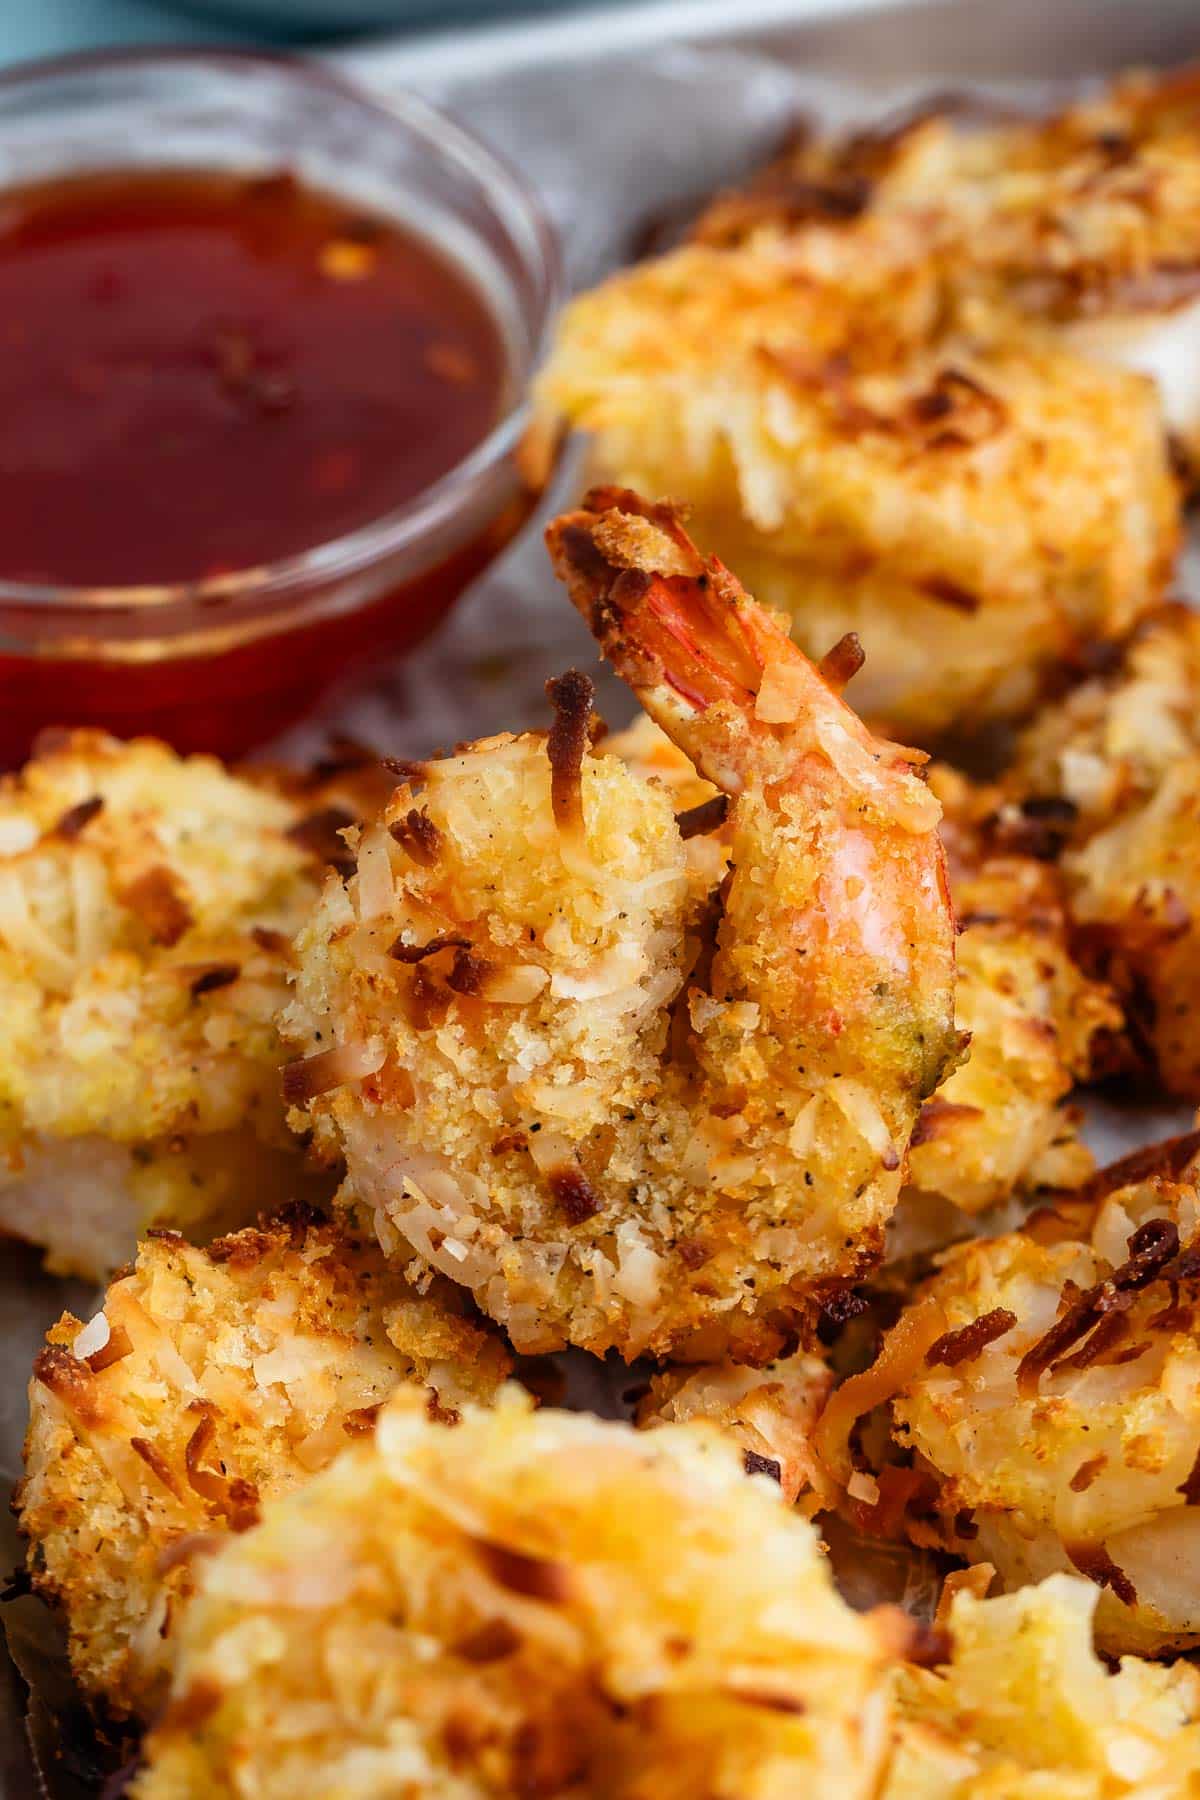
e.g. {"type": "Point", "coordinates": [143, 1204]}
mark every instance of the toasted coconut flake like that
{"type": "Point", "coordinates": [329, 1069]}
{"type": "Point", "coordinates": [571, 696]}
{"type": "Point", "coordinates": [1151, 1248]}
{"type": "Point", "coordinates": [217, 975]}
{"type": "Point", "coordinates": [900, 1358]}
{"type": "Point", "coordinates": [154, 1459]}
{"type": "Point", "coordinates": [417, 834]}
{"type": "Point", "coordinates": [1094, 1561]}
{"type": "Point", "coordinates": [533, 1577]}
{"type": "Point", "coordinates": [156, 899]}
{"type": "Point", "coordinates": [572, 1190]}
{"type": "Point", "coordinates": [956, 1347]}
{"type": "Point", "coordinates": [699, 821]}
{"type": "Point", "coordinates": [206, 1482]}
{"type": "Point", "coordinates": [841, 664]}
{"type": "Point", "coordinates": [77, 818]}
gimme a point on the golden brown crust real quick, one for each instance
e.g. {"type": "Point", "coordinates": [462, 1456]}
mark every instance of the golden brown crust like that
{"type": "Point", "coordinates": [213, 1380]}
{"type": "Point", "coordinates": [1120, 758]}
{"type": "Point", "coordinates": [973, 498]}
{"type": "Point", "coordinates": [1067, 1437]}
{"type": "Point", "coordinates": [502, 1619]}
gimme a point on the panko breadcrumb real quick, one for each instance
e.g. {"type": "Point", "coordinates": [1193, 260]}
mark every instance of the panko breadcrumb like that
{"type": "Point", "coordinates": [211, 1380]}
{"type": "Point", "coordinates": [626, 1118]}
{"type": "Point", "coordinates": [975, 500]}
{"type": "Point", "coordinates": [1025, 1710]}
{"type": "Point", "coordinates": [147, 901]}
{"type": "Point", "coordinates": [525, 1603]}
{"type": "Point", "coordinates": [1048, 1385]}
{"type": "Point", "coordinates": [1114, 772]}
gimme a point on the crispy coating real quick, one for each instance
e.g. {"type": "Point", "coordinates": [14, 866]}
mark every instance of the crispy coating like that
{"type": "Point", "coordinates": [771, 1413]}
{"type": "Point", "coordinates": [622, 1121]}
{"type": "Point", "coordinates": [211, 1381]}
{"type": "Point", "coordinates": [1000, 1126]}
{"type": "Point", "coordinates": [1025, 1710]}
{"type": "Point", "coordinates": [1116, 769]}
{"type": "Point", "coordinates": [977, 501]}
{"type": "Point", "coordinates": [1087, 219]}
{"type": "Point", "coordinates": [525, 1603]}
{"type": "Point", "coordinates": [146, 903]}
{"type": "Point", "coordinates": [1049, 1382]}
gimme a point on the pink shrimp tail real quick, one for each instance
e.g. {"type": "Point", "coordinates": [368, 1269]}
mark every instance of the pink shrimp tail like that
{"type": "Point", "coordinates": [691, 626]}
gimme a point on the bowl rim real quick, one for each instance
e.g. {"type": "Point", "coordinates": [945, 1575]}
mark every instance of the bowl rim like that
{"type": "Point", "coordinates": [512, 199]}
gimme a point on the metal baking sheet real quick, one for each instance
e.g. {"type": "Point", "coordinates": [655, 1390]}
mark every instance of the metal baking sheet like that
{"type": "Point", "coordinates": [619, 117]}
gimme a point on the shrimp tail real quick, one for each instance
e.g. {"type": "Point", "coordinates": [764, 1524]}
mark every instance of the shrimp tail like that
{"type": "Point", "coordinates": [660, 611]}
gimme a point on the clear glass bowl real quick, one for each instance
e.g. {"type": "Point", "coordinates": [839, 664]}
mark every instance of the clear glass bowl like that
{"type": "Point", "coordinates": [226, 663]}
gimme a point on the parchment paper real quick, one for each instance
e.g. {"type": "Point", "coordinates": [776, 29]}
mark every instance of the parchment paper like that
{"type": "Point", "coordinates": [614, 148]}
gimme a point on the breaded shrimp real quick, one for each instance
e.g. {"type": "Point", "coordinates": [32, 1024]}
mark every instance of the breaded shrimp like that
{"type": "Point", "coordinates": [771, 1413]}
{"type": "Point", "coordinates": [1049, 1384]}
{"type": "Point", "coordinates": [1086, 220]}
{"type": "Point", "coordinates": [1001, 1127]}
{"type": "Point", "coordinates": [974, 499]}
{"type": "Point", "coordinates": [525, 1603]}
{"type": "Point", "coordinates": [1115, 769]}
{"type": "Point", "coordinates": [1025, 1710]}
{"type": "Point", "coordinates": [146, 906]}
{"type": "Point", "coordinates": [621, 1123]}
{"type": "Point", "coordinates": [210, 1381]}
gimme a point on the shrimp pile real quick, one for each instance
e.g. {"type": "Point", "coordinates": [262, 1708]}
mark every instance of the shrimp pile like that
{"type": "Point", "coordinates": [1048, 1385]}
{"type": "Point", "coordinates": [525, 1603]}
{"type": "Point", "coordinates": [623, 1119]}
{"type": "Point", "coordinates": [973, 497]}
{"type": "Point", "coordinates": [1025, 1710]}
{"type": "Point", "coordinates": [146, 903]}
{"type": "Point", "coordinates": [1086, 221]}
{"type": "Point", "coordinates": [210, 1381]}
{"type": "Point", "coordinates": [1117, 767]}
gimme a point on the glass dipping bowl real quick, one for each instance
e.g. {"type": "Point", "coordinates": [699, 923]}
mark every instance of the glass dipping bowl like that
{"type": "Point", "coordinates": [226, 663]}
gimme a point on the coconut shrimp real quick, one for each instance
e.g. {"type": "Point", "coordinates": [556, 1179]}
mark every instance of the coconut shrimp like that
{"type": "Point", "coordinates": [525, 1603]}
{"type": "Point", "coordinates": [623, 1120]}
{"type": "Point", "coordinates": [1048, 1385]}
{"type": "Point", "coordinates": [1114, 771]}
{"type": "Point", "coordinates": [1085, 221]}
{"type": "Point", "coordinates": [147, 902]}
{"type": "Point", "coordinates": [1001, 1126]}
{"type": "Point", "coordinates": [1023, 1709]}
{"type": "Point", "coordinates": [210, 1381]}
{"type": "Point", "coordinates": [977, 500]}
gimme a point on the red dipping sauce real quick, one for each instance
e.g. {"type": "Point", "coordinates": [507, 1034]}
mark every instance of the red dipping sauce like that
{"type": "Point", "coordinates": [255, 425]}
{"type": "Point", "coordinates": [200, 373]}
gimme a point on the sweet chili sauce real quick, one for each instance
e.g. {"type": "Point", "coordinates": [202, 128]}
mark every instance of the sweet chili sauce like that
{"type": "Point", "coordinates": [202, 373]}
